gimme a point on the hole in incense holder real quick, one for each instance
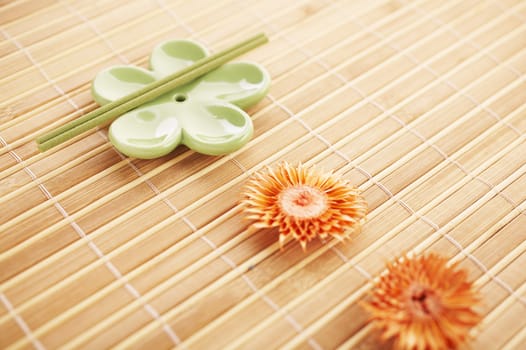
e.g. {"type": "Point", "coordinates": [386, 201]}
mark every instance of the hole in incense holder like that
{"type": "Point", "coordinates": [180, 98]}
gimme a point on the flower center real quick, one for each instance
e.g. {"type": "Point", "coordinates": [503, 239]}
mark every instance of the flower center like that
{"type": "Point", "coordinates": [303, 202]}
{"type": "Point", "coordinates": [423, 302]}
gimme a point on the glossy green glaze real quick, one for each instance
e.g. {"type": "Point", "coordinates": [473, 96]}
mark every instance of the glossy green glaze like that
{"type": "Point", "coordinates": [206, 115]}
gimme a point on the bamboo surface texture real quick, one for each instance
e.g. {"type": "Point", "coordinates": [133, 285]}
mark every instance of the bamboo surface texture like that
{"type": "Point", "coordinates": [421, 104]}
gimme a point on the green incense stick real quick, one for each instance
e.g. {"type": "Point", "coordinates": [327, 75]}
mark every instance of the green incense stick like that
{"type": "Point", "coordinates": [116, 108]}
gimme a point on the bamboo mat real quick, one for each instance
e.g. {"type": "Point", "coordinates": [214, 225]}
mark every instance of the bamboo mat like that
{"type": "Point", "coordinates": [419, 103]}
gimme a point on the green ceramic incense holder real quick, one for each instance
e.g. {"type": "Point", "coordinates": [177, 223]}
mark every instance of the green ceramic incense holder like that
{"type": "Point", "coordinates": [206, 114]}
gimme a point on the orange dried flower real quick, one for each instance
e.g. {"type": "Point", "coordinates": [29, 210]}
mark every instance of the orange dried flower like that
{"type": "Point", "coordinates": [423, 304]}
{"type": "Point", "coordinates": [303, 203]}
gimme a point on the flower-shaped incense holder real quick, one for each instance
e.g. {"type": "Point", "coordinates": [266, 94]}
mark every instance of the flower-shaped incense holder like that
{"type": "Point", "coordinates": [206, 114]}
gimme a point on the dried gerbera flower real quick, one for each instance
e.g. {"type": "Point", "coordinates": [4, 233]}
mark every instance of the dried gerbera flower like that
{"type": "Point", "coordinates": [303, 203]}
{"type": "Point", "coordinates": [423, 304]}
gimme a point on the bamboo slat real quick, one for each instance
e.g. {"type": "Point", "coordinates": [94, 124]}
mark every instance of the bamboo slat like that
{"type": "Point", "coordinates": [419, 103]}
